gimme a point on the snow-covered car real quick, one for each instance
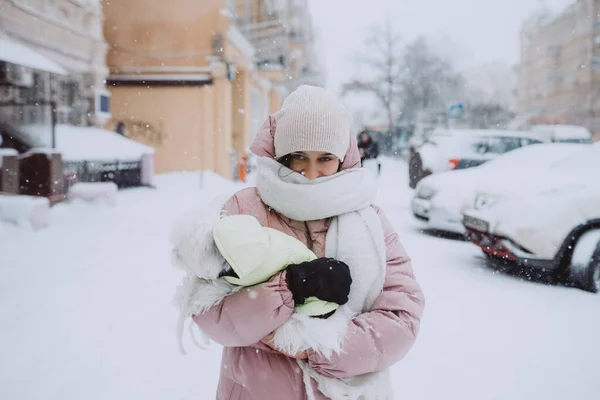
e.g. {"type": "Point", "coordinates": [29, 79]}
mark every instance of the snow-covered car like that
{"type": "Point", "coordinates": [564, 133]}
{"type": "Point", "coordinates": [453, 149]}
{"type": "Point", "coordinates": [440, 199]}
{"type": "Point", "coordinates": [550, 220]}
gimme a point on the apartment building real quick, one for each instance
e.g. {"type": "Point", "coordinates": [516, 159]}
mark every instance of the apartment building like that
{"type": "Point", "coordinates": [53, 50]}
{"type": "Point", "coordinates": [559, 71]}
{"type": "Point", "coordinates": [196, 79]}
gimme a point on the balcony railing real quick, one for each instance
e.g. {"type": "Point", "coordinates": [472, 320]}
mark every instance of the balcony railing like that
{"type": "Point", "coordinates": [265, 27]}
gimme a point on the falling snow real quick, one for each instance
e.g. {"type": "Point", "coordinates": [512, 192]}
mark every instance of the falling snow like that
{"type": "Point", "coordinates": [97, 322]}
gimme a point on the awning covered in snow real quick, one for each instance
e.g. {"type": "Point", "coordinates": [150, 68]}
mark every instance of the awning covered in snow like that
{"type": "Point", "coordinates": [82, 143]}
{"type": "Point", "coordinates": [16, 53]}
{"type": "Point", "coordinates": [95, 144]}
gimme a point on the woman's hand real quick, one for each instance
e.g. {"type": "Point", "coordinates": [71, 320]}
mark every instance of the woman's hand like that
{"type": "Point", "coordinates": [325, 278]}
{"type": "Point", "coordinates": [269, 341]}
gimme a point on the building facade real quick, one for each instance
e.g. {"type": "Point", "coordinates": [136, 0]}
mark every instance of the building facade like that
{"type": "Point", "coordinates": [196, 79]}
{"type": "Point", "coordinates": [42, 34]}
{"type": "Point", "coordinates": [559, 71]}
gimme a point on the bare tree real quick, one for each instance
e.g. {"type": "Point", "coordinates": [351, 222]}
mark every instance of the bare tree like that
{"type": "Point", "coordinates": [428, 82]}
{"type": "Point", "coordinates": [384, 63]}
{"type": "Point", "coordinates": [488, 116]}
{"type": "Point", "coordinates": [405, 79]}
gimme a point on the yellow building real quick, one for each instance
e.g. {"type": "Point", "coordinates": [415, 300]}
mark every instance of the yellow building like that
{"type": "Point", "coordinates": [559, 71]}
{"type": "Point", "coordinates": [194, 79]}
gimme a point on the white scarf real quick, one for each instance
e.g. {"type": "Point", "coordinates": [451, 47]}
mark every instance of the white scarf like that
{"type": "Point", "coordinates": [355, 237]}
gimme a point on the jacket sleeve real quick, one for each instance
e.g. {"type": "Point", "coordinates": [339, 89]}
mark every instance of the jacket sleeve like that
{"type": "Point", "coordinates": [379, 338]}
{"type": "Point", "coordinates": [247, 316]}
{"type": "Point", "coordinates": [375, 150]}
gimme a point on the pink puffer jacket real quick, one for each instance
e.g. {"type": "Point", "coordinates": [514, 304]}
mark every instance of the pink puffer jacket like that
{"type": "Point", "coordinates": [375, 340]}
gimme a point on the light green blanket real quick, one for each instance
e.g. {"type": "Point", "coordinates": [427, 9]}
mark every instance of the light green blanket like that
{"type": "Point", "coordinates": [257, 253]}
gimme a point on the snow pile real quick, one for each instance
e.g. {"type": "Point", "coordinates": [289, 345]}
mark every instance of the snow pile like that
{"type": "Point", "coordinates": [95, 190]}
{"type": "Point", "coordinates": [89, 300]}
{"type": "Point", "coordinates": [25, 210]}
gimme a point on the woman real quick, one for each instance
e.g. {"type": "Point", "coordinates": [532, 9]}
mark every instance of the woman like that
{"type": "Point", "coordinates": [310, 186]}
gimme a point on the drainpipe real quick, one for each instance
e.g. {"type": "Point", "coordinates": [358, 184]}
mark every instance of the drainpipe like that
{"type": "Point", "coordinates": [54, 120]}
{"type": "Point", "coordinates": [53, 110]}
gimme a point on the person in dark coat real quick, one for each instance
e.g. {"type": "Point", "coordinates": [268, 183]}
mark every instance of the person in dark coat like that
{"type": "Point", "coordinates": [369, 149]}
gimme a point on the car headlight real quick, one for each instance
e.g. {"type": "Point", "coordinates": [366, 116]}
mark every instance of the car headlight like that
{"type": "Point", "coordinates": [425, 192]}
{"type": "Point", "coordinates": [484, 201]}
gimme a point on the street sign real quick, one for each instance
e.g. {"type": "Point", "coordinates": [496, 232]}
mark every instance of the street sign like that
{"type": "Point", "coordinates": [455, 111]}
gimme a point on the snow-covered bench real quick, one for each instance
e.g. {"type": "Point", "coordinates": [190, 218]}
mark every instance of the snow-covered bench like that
{"type": "Point", "coordinates": [20, 209]}
{"type": "Point", "coordinates": [95, 190]}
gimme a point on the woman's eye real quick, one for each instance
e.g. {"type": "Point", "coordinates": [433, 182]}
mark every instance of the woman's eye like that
{"type": "Point", "coordinates": [298, 157]}
{"type": "Point", "coordinates": [326, 159]}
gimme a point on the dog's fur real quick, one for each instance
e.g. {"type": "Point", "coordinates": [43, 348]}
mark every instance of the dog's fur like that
{"type": "Point", "coordinates": [195, 252]}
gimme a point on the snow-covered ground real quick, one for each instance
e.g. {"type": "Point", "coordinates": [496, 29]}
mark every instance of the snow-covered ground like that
{"type": "Point", "coordinates": [86, 314]}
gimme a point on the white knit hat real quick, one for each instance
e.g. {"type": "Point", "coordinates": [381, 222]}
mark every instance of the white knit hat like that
{"type": "Point", "coordinates": [312, 119]}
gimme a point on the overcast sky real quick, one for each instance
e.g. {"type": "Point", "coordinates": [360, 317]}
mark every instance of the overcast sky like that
{"type": "Point", "coordinates": [473, 31]}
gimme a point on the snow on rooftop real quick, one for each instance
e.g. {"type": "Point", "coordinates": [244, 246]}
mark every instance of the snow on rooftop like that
{"type": "Point", "coordinates": [16, 53]}
{"type": "Point", "coordinates": [88, 143]}
{"type": "Point", "coordinates": [79, 143]}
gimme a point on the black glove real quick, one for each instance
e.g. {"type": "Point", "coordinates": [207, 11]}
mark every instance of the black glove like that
{"type": "Point", "coordinates": [324, 278]}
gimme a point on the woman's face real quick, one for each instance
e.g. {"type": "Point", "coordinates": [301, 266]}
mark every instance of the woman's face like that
{"type": "Point", "coordinates": [314, 164]}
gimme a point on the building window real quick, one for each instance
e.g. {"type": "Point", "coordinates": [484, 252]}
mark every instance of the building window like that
{"type": "Point", "coordinates": [104, 103]}
{"type": "Point", "coordinates": [553, 50]}
{"type": "Point", "coordinates": [554, 79]}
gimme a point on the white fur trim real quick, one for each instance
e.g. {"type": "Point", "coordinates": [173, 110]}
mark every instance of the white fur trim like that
{"type": "Point", "coordinates": [194, 251]}
{"type": "Point", "coordinates": [376, 386]}
{"type": "Point", "coordinates": [193, 247]}
{"type": "Point", "coordinates": [323, 336]}
{"type": "Point", "coordinates": [195, 296]}
{"type": "Point", "coordinates": [198, 295]}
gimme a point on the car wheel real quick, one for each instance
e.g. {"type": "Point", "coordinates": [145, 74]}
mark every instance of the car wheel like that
{"type": "Point", "coordinates": [584, 269]}
{"type": "Point", "coordinates": [500, 263]}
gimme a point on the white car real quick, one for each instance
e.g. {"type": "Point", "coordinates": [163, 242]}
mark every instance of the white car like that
{"type": "Point", "coordinates": [440, 199]}
{"type": "Point", "coordinates": [549, 220]}
{"type": "Point", "coordinates": [454, 149]}
{"type": "Point", "coordinates": [564, 133]}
